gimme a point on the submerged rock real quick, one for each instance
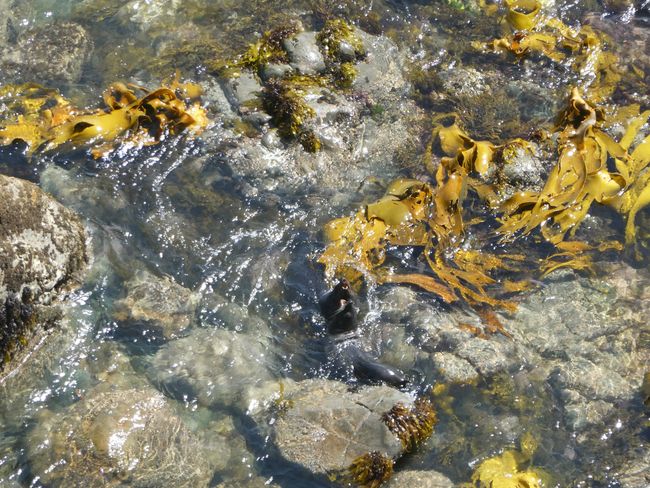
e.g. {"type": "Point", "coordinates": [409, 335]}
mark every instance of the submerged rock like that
{"type": "Point", "coordinates": [42, 253]}
{"type": "Point", "coordinates": [124, 436]}
{"type": "Point", "coordinates": [213, 367]}
{"type": "Point", "coordinates": [324, 427]}
{"type": "Point", "coordinates": [156, 304]}
{"type": "Point", "coordinates": [52, 53]}
{"type": "Point", "coordinates": [419, 479]}
{"type": "Point", "coordinates": [581, 336]}
{"type": "Point", "coordinates": [304, 53]}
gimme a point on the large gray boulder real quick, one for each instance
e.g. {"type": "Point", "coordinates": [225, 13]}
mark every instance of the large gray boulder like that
{"type": "Point", "coordinates": [324, 427]}
{"type": "Point", "coordinates": [42, 254]}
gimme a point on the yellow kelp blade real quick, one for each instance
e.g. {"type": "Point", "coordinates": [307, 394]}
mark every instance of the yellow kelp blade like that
{"type": "Point", "coordinates": [103, 127]}
{"type": "Point", "coordinates": [522, 14]}
{"type": "Point", "coordinates": [425, 282]}
{"type": "Point", "coordinates": [506, 471]}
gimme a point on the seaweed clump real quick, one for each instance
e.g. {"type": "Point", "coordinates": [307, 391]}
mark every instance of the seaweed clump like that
{"type": "Point", "coordinates": [536, 33]}
{"type": "Point", "coordinates": [284, 101]}
{"type": "Point", "coordinates": [43, 120]}
{"type": "Point", "coordinates": [370, 470]}
{"type": "Point", "coordinates": [592, 168]}
{"type": "Point", "coordinates": [412, 425]}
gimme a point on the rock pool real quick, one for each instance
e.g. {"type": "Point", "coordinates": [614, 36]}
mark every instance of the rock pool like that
{"type": "Point", "coordinates": [190, 351]}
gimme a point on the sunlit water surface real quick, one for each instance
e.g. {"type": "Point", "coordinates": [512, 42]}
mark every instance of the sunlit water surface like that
{"type": "Point", "coordinates": [255, 251]}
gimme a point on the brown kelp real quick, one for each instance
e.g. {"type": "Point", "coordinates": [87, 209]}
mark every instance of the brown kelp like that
{"type": "Point", "coordinates": [370, 470]}
{"type": "Point", "coordinates": [592, 168]}
{"type": "Point", "coordinates": [533, 32]}
{"type": "Point", "coordinates": [412, 425]}
{"type": "Point", "coordinates": [44, 120]}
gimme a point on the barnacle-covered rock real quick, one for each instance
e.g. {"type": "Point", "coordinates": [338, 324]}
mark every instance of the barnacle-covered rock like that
{"type": "Point", "coordinates": [42, 253]}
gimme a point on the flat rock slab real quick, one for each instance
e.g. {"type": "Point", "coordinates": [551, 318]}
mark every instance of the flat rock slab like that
{"type": "Point", "coordinates": [326, 427]}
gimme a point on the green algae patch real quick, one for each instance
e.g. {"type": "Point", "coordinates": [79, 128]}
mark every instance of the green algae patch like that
{"type": "Point", "coordinates": [43, 120]}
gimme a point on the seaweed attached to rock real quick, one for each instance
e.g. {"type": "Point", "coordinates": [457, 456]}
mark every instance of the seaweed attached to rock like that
{"type": "Point", "coordinates": [370, 470]}
{"type": "Point", "coordinates": [412, 425]}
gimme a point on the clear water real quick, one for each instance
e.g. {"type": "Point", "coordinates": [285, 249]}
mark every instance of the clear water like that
{"type": "Point", "coordinates": [149, 210]}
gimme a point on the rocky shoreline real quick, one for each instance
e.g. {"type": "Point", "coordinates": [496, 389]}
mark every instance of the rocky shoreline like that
{"type": "Point", "coordinates": [216, 367]}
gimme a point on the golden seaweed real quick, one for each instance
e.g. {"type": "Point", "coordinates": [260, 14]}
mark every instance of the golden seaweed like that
{"type": "Point", "coordinates": [370, 470]}
{"type": "Point", "coordinates": [127, 118]}
{"type": "Point", "coordinates": [510, 469]}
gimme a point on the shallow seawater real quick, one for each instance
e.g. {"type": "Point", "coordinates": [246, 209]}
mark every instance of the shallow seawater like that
{"type": "Point", "coordinates": [247, 251]}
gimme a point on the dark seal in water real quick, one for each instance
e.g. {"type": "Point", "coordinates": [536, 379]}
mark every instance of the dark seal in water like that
{"type": "Point", "coordinates": [345, 350]}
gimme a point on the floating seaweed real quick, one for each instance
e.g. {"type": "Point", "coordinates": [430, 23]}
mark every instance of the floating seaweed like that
{"type": "Point", "coordinates": [582, 177]}
{"type": "Point", "coordinates": [551, 38]}
{"type": "Point", "coordinates": [47, 120]}
{"type": "Point", "coordinates": [511, 469]}
{"type": "Point", "coordinates": [592, 168]}
{"type": "Point", "coordinates": [506, 471]}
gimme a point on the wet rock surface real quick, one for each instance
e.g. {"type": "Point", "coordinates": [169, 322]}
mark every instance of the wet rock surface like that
{"type": "Point", "coordinates": [357, 127]}
{"type": "Point", "coordinates": [324, 427]}
{"type": "Point", "coordinates": [52, 53]}
{"type": "Point", "coordinates": [304, 53]}
{"type": "Point", "coordinates": [579, 334]}
{"type": "Point", "coordinates": [132, 436]}
{"type": "Point", "coordinates": [42, 253]}
{"type": "Point", "coordinates": [421, 479]}
{"type": "Point", "coordinates": [157, 305]}
{"type": "Point", "coordinates": [213, 367]}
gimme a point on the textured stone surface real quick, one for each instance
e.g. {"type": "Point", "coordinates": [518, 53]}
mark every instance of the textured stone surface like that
{"type": "Point", "coordinates": [215, 367]}
{"type": "Point", "coordinates": [326, 427]}
{"type": "Point", "coordinates": [130, 436]}
{"type": "Point", "coordinates": [52, 53]}
{"type": "Point", "coordinates": [42, 252]}
{"type": "Point", "coordinates": [304, 53]}
{"type": "Point", "coordinates": [419, 479]}
{"type": "Point", "coordinates": [158, 304]}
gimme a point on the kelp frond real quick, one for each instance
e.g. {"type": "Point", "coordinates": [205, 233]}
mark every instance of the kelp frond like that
{"type": "Point", "coordinates": [550, 37]}
{"type": "Point", "coordinates": [582, 177]}
{"type": "Point", "coordinates": [44, 120]}
{"type": "Point", "coordinates": [510, 470]}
